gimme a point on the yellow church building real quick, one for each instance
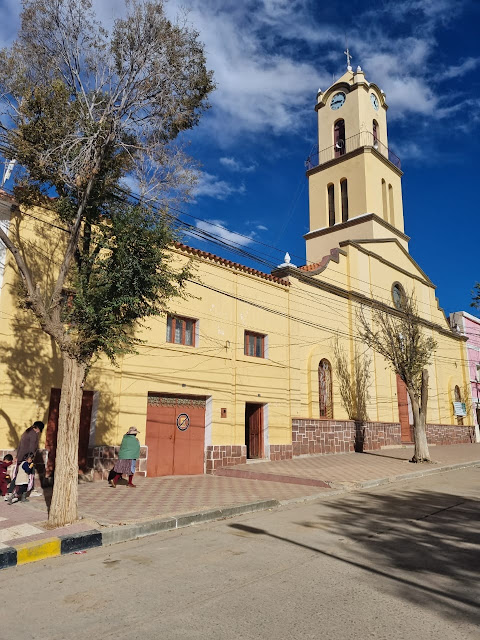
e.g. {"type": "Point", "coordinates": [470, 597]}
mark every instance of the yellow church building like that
{"type": "Point", "coordinates": [242, 368]}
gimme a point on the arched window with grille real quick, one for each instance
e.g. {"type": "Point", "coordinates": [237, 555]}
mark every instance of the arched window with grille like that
{"type": "Point", "coordinates": [339, 138]}
{"type": "Point", "coordinates": [375, 132]}
{"type": "Point", "coordinates": [325, 394]}
{"type": "Point", "coordinates": [331, 205]}
{"type": "Point", "coordinates": [344, 194]}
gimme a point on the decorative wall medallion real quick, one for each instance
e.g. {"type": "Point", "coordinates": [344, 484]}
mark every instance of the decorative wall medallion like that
{"type": "Point", "coordinates": [183, 421]}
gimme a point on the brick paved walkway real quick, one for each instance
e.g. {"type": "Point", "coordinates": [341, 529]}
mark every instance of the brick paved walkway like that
{"type": "Point", "coordinates": [157, 497]}
{"type": "Point", "coordinates": [354, 467]}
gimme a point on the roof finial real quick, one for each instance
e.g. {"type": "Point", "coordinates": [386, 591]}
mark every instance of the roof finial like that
{"type": "Point", "coordinates": [287, 262]}
{"type": "Point", "coordinates": [349, 59]}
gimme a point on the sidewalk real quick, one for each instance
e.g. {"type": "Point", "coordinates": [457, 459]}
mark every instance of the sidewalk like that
{"type": "Point", "coordinates": [154, 498]}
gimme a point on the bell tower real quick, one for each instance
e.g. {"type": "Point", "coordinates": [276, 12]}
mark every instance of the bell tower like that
{"type": "Point", "coordinates": [354, 178]}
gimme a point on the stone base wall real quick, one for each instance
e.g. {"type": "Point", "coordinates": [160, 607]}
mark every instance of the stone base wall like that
{"type": "Point", "coordinates": [322, 436]}
{"type": "Point", "coordinates": [376, 435]}
{"type": "Point", "coordinates": [281, 452]}
{"type": "Point", "coordinates": [450, 434]}
{"type": "Point", "coordinates": [102, 458]}
{"type": "Point", "coordinates": [341, 436]}
{"type": "Point", "coordinates": [225, 455]}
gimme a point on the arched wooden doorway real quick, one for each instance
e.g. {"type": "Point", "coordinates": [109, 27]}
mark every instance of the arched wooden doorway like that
{"type": "Point", "coordinates": [403, 412]}
{"type": "Point", "coordinates": [325, 396]}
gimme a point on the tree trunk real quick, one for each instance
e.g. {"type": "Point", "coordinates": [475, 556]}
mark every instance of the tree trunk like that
{"type": "Point", "coordinates": [63, 508]}
{"type": "Point", "coordinates": [421, 453]}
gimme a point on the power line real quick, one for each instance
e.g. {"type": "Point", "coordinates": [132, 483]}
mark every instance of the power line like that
{"type": "Point", "coordinates": [231, 245]}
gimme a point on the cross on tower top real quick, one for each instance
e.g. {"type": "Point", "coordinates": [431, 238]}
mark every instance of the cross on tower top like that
{"type": "Point", "coordinates": [349, 59]}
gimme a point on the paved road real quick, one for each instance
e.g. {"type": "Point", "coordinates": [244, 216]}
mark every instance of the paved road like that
{"type": "Point", "coordinates": [393, 563]}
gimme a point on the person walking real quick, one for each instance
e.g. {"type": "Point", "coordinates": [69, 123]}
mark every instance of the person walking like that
{"type": "Point", "coordinates": [28, 444]}
{"type": "Point", "coordinates": [127, 457]}
{"type": "Point", "coordinates": [29, 440]}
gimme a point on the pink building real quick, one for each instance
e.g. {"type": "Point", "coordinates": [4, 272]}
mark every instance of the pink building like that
{"type": "Point", "coordinates": [469, 326]}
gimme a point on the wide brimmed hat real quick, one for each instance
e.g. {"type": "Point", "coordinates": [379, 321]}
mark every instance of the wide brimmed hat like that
{"type": "Point", "coordinates": [132, 431]}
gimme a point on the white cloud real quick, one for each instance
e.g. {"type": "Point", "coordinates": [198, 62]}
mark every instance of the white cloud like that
{"type": "Point", "coordinates": [411, 150]}
{"type": "Point", "coordinates": [459, 70]}
{"type": "Point", "coordinates": [261, 227]}
{"type": "Point", "coordinates": [260, 87]}
{"type": "Point", "coordinates": [212, 187]}
{"type": "Point", "coordinates": [219, 230]}
{"type": "Point", "coordinates": [270, 56]}
{"type": "Point", "coordinates": [235, 165]}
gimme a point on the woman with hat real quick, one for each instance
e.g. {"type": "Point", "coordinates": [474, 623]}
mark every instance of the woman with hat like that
{"type": "Point", "coordinates": [127, 457]}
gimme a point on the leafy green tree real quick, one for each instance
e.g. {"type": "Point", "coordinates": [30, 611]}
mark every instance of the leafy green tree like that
{"type": "Point", "coordinates": [86, 112]}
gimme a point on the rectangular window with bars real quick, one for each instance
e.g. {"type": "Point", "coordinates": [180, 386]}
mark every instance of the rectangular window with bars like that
{"type": "Point", "coordinates": [181, 330]}
{"type": "Point", "coordinates": [254, 344]}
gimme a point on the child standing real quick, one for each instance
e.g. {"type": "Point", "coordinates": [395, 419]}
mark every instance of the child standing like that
{"type": "Point", "coordinates": [4, 475]}
{"type": "Point", "coordinates": [25, 470]}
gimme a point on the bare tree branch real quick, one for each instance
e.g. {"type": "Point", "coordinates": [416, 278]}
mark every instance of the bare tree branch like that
{"type": "Point", "coordinates": [399, 338]}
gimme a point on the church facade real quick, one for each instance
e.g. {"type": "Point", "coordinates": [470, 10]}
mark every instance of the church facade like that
{"type": "Point", "coordinates": [243, 367]}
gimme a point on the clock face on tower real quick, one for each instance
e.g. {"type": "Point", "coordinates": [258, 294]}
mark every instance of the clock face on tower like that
{"type": "Point", "coordinates": [337, 100]}
{"type": "Point", "coordinates": [374, 100]}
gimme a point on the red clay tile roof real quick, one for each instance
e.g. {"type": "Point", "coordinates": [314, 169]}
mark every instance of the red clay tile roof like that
{"type": "Point", "coordinates": [210, 256]}
{"type": "Point", "coordinates": [228, 263]}
{"type": "Point", "coordinates": [319, 266]}
{"type": "Point", "coordinates": [4, 194]}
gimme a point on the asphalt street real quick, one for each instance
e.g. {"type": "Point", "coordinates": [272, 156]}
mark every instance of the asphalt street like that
{"type": "Point", "coordinates": [396, 562]}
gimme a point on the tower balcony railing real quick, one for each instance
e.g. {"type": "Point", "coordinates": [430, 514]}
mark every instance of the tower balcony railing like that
{"type": "Point", "coordinates": [342, 147]}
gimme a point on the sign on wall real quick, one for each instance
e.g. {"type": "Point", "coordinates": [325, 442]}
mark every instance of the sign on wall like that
{"type": "Point", "coordinates": [460, 408]}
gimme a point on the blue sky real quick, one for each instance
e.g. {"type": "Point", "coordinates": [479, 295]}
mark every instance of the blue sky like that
{"type": "Point", "coordinates": [270, 57]}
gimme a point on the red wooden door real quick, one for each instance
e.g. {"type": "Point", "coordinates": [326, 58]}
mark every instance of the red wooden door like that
{"type": "Point", "coordinates": [52, 428]}
{"type": "Point", "coordinates": [254, 430]}
{"type": "Point", "coordinates": [175, 436]}
{"type": "Point", "coordinates": [403, 415]}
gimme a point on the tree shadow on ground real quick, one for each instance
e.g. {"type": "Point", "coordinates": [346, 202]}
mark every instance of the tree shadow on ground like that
{"type": "Point", "coordinates": [394, 457]}
{"type": "Point", "coordinates": [422, 545]}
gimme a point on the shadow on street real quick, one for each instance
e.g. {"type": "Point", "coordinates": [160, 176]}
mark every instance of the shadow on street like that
{"type": "Point", "coordinates": [425, 544]}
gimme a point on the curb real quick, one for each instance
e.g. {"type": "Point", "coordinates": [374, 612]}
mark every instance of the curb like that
{"type": "Point", "coordinates": [52, 547]}
{"type": "Point", "coordinates": [61, 545]}
{"type": "Point", "coordinates": [368, 484]}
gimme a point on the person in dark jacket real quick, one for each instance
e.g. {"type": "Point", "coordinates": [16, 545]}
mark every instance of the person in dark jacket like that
{"type": "Point", "coordinates": [127, 457]}
{"type": "Point", "coordinates": [29, 440]}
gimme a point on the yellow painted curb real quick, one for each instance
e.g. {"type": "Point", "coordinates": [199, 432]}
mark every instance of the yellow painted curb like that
{"type": "Point", "coordinates": [33, 551]}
